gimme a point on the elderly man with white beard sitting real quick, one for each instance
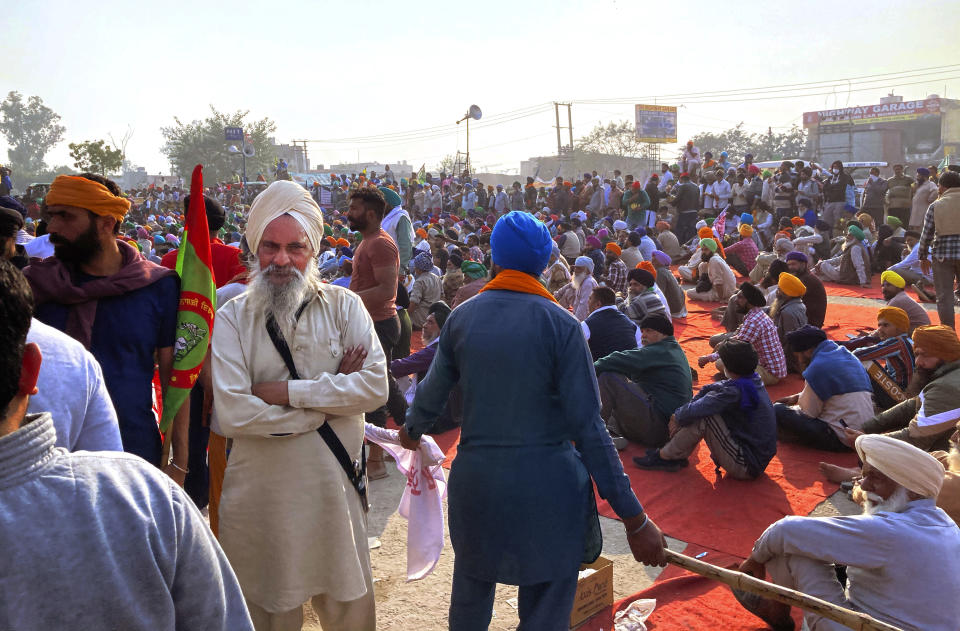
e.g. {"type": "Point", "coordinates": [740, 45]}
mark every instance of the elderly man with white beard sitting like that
{"type": "Point", "coordinates": [575, 295]}
{"type": "Point", "coordinates": [295, 364]}
{"type": "Point", "coordinates": [902, 554]}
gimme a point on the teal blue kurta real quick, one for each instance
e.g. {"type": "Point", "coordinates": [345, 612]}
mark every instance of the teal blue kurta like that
{"type": "Point", "coordinates": [519, 487]}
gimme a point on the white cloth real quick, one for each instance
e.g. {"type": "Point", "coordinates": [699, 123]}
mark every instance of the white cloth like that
{"type": "Point", "coordinates": [390, 222]}
{"type": "Point", "coordinates": [72, 389]}
{"type": "Point", "coordinates": [40, 247]}
{"type": "Point", "coordinates": [290, 521]}
{"type": "Point", "coordinates": [284, 197]}
{"type": "Point", "coordinates": [422, 501]}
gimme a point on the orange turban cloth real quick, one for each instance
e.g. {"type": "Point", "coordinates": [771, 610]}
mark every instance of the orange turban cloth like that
{"type": "Point", "coordinates": [647, 265]}
{"type": "Point", "coordinates": [73, 190]}
{"type": "Point", "coordinates": [705, 232]}
{"type": "Point", "coordinates": [797, 221]}
{"type": "Point", "coordinates": [421, 233]}
{"type": "Point", "coordinates": [332, 241]}
{"type": "Point", "coordinates": [791, 285]}
{"type": "Point", "coordinates": [938, 340]}
{"type": "Point", "coordinates": [613, 247]}
{"type": "Point", "coordinates": [895, 316]}
{"type": "Point", "coordinates": [662, 225]}
{"type": "Point", "coordinates": [341, 242]}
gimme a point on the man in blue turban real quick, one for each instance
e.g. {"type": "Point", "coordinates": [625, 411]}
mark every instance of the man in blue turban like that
{"type": "Point", "coordinates": [521, 497]}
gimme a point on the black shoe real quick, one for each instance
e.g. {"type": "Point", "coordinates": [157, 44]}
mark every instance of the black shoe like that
{"type": "Point", "coordinates": [653, 461]}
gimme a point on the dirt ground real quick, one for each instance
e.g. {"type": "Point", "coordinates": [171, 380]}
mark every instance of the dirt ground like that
{"type": "Point", "coordinates": [422, 605]}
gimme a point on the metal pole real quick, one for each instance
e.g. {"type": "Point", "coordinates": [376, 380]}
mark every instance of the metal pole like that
{"type": "Point", "coordinates": [243, 155]}
{"type": "Point", "coordinates": [468, 145]}
{"type": "Point", "coordinates": [556, 111]}
{"type": "Point", "coordinates": [570, 123]}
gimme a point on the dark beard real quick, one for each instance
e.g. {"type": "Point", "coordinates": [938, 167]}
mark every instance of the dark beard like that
{"type": "Point", "coordinates": [921, 377]}
{"type": "Point", "coordinates": [706, 255]}
{"type": "Point", "coordinates": [358, 225]}
{"type": "Point", "coordinates": [79, 251]}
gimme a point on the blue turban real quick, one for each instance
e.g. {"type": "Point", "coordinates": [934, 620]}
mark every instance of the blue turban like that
{"type": "Point", "coordinates": [13, 204]}
{"type": "Point", "coordinates": [746, 218]}
{"type": "Point", "coordinates": [391, 196]}
{"type": "Point", "coordinates": [585, 262]}
{"type": "Point", "coordinates": [347, 252]}
{"type": "Point", "coordinates": [641, 231]}
{"type": "Point", "coordinates": [923, 171]}
{"type": "Point", "coordinates": [520, 242]}
{"type": "Point", "coordinates": [423, 262]}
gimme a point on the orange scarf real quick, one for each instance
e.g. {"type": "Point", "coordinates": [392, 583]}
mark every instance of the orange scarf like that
{"type": "Point", "coordinates": [512, 280]}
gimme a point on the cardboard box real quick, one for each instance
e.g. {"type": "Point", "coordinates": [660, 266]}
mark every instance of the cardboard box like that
{"type": "Point", "coordinates": [594, 592]}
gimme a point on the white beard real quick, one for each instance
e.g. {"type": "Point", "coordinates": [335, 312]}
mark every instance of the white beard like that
{"type": "Point", "coordinates": [873, 503]}
{"type": "Point", "coordinates": [953, 460]}
{"type": "Point", "coordinates": [578, 279]}
{"type": "Point", "coordinates": [282, 300]}
{"type": "Point", "coordinates": [427, 340]}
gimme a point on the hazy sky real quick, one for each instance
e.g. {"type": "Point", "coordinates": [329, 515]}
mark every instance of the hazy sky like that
{"type": "Point", "coordinates": [343, 70]}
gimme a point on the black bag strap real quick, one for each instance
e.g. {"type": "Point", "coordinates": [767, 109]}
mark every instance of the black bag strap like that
{"type": "Point", "coordinates": [356, 471]}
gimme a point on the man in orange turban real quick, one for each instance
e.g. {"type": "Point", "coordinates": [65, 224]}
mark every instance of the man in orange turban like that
{"type": "Point", "coordinates": [616, 276]}
{"type": "Point", "coordinates": [928, 420]}
{"type": "Point", "coordinates": [120, 306]}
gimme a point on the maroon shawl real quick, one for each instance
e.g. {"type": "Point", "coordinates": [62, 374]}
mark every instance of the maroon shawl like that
{"type": "Point", "coordinates": [52, 281]}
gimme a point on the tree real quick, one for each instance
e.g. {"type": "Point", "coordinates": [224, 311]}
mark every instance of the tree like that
{"type": "Point", "coordinates": [446, 164]}
{"type": "Point", "coordinates": [202, 142]}
{"type": "Point", "coordinates": [96, 156]}
{"type": "Point", "coordinates": [764, 147]}
{"type": "Point", "coordinates": [616, 139]}
{"type": "Point", "coordinates": [31, 128]}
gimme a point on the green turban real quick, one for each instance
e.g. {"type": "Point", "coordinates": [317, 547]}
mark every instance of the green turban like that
{"type": "Point", "coordinates": [766, 173]}
{"type": "Point", "coordinates": [709, 221]}
{"type": "Point", "coordinates": [894, 222]}
{"type": "Point", "coordinates": [473, 269]}
{"type": "Point", "coordinates": [393, 200]}
{"type": "Point", "coordinates": [856, 232]}
{"type": "Point", "coordinates": [710, 244]}
{"type": "Point", "coordinates": [327, 230]}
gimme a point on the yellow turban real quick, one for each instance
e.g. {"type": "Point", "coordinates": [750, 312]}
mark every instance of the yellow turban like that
{"type": "Point", "coordinates": [746, 230]}
{"type": "Point", "coordinates": [791, 285]}
{"type": "Point", "coordinates": [895, 316]}
{"type": "Point", "coordinates": [893, 278]}
{"type": "Point", "coordinates": [284, 197]}
{"type": "Point", "coordinates": [908, 466]}
{"type": "Point", "coordinates": [613, 247]}
{"type": "Point", "coordinates": [73, 190]}
{"type": "Point", "coordinates": [938, 340]}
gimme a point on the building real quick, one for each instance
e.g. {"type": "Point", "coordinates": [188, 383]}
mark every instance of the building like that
{"type": "Point", "coordinates": [573, 165]}
{"type": "Point", "coordinates": [913, 133]}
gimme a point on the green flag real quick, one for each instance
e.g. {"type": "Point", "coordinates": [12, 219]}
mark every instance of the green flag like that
{"type": "Point", "coordinates": [198, 295]}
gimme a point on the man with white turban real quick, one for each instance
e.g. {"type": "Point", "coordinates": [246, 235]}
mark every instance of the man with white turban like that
{"type": "Point", "coordinates": [902, 554]}
{"type": "Point", "coordinates": [575, 295]}
{"type": "Point", "coordinates": [292, 520]}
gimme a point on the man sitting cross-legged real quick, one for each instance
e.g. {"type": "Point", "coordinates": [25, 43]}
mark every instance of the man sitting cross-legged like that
{"type": "Point", "coordinates": [734, 416]}
{"type": "Point", "coordinates": [902, 554]}
{"type": "Point", "coordinates": [640, 388]}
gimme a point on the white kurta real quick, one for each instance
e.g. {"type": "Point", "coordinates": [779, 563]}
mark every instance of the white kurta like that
{"type": "Point", "coordinates": [291, 523]}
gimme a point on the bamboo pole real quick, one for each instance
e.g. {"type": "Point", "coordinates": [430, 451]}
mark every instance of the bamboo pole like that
{"type": "Point", "coordinates": [856, 620]}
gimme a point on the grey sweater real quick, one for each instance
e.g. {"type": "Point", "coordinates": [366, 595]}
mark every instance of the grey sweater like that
{"type": "Point", "coordinates": [103, 540]}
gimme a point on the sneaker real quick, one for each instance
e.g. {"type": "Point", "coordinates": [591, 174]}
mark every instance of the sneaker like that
{"type": "Point", "coordinates": [653, 461]}
{"type": "Point", "coordinates": [618, 441]}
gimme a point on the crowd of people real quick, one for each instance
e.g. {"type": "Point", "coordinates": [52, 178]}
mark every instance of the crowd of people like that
{"type": "Point", "coordinates": [547, 314]}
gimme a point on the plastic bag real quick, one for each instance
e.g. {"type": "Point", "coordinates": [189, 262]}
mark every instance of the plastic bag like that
{"type": "Point", "coordinates": [635, 615]}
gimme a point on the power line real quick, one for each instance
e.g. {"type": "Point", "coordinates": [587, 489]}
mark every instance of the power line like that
{"type": "Point", "coordinates": [840, 83]}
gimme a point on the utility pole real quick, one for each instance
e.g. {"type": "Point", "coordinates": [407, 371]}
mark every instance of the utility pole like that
{"type": "Point", "coordinates": [569, 127]}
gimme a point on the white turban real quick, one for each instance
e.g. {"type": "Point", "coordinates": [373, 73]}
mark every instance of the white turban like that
{"type": "Point", "coordinates": [584, 261]}
{"type": "Point", "coordinates": [284, 197]}
{"type": "Point", "coordinates": [619, 225]}
{"type": "Point", "coordinates": [908, 466]}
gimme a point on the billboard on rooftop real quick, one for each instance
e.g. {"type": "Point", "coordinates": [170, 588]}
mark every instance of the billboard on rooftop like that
{"type": "Point", "coordinates": [656, 123]}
